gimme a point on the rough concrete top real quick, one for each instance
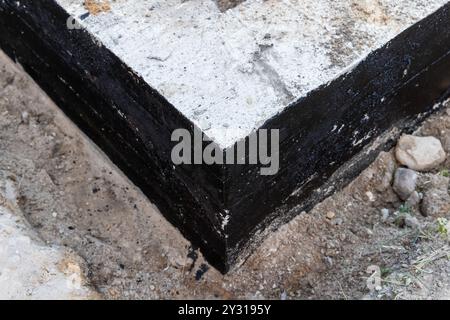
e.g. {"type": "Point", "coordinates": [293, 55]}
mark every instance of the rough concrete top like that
{"type": "Point", "coordinates": [231, 71]}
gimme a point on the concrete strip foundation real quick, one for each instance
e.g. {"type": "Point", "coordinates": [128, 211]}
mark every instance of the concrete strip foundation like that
{"type": "Point", "coordinates": [332, 76]}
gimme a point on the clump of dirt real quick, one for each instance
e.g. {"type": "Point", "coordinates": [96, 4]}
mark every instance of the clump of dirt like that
{"type": "Point", "coordinates": [350, 246]}
{"type": "Point", "coordinates": [95, 7]}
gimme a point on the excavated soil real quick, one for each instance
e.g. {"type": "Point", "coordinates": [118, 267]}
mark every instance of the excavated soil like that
{"type": "Point", "coordinates": [73, 196]}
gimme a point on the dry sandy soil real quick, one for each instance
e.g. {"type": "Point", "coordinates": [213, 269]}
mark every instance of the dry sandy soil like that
{"type": "Point", "coordinates": [74, 197]}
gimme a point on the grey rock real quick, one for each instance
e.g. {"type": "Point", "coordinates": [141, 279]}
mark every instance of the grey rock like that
{"type": "Point", "coordinates": [436, 202]}
{"type": "Point", "coordinates": [413, 200]}
{"type": "Point", "coordinates": [404, 182]}
{"type": "Point", "coordinates": [436, 199]}
{"type": "Point", "coordinates": [445, 140]}
{"type": "Point", "coordinates": [412, 222]}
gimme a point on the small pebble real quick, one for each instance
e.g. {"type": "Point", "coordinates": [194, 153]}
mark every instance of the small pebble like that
{"type": "Point", "coordinates": [330, 215]}
{"type": "Point", "coordinates": [370, 196]}
{"type": "Point", "coordinates": [384, 214]}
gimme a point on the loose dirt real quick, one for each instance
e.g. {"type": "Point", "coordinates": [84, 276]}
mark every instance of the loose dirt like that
{"type": "Point", "coordinates": [73, 196]}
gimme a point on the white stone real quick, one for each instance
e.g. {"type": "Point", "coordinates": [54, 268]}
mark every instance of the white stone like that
{"type": "Point", "coordinates": [384, 214]}
{"type": "Point", "coordinates": [330, 215]}
{"type": "Point", "coordinates": [419, 153]}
